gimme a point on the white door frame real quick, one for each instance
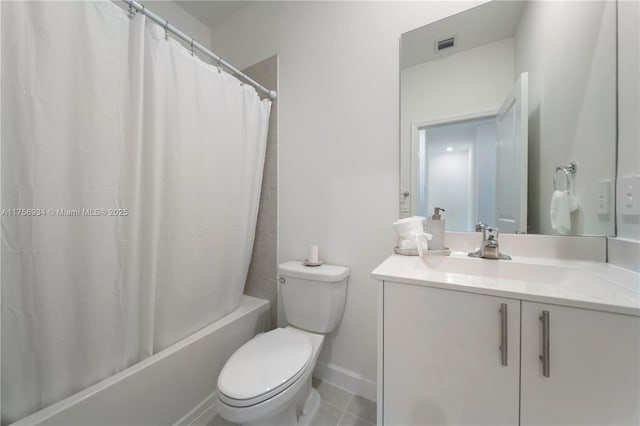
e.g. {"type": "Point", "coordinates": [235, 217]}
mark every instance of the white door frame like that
{"type": "Point", "coordinates": [518, 97]}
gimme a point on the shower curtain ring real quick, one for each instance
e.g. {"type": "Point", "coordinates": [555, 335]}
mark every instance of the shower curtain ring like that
{"type": "Point", "coordinates": [191, 46]}
{"type": "Point", "coordinates": [219, 64]}
{"type": "Point", "coordinates": [131, 12]}
{"type": "Point", "coordinates": [166, 30]}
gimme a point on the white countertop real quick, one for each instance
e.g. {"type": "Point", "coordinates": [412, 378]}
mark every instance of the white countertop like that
{"type": "Point", "coordinates": [582, 284]}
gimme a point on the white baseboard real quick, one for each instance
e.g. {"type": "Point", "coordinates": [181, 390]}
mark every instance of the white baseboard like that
{"type": "Point", "coordinates": [346, 379]}
{"type": "Point", "coordinates": [202, 409]}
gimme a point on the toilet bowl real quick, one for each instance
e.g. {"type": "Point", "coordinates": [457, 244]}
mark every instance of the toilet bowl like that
{"type": "Point", "coordinates": [267, 381]}
{"type": "Point", "coordinates": [267, 377]}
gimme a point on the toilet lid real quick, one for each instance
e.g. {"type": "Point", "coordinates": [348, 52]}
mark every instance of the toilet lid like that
{"type": "Point", "coordinates": [265, 364]}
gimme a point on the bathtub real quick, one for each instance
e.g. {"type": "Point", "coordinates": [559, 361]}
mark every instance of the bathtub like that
{"type": "Point", "coordinates": [174, 386]}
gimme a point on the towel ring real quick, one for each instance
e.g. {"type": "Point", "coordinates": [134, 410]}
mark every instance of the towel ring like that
{"type": "Point", "coordinates": [569, 170]}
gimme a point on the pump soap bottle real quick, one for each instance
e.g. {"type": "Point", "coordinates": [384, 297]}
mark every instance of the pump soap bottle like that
{"type": "Point", "coordinates": [435, 226]}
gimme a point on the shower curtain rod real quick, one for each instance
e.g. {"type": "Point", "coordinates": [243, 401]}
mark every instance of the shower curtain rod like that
{"type": "Point", "coordinates": [195, 45]}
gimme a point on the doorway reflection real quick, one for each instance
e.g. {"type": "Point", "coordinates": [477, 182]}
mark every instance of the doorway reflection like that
{"type": "Point", "coordinates": [457, 171]}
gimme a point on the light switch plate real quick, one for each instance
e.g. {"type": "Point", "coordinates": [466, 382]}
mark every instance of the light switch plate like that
{"type": "Point", "coordinates": [629, 195]}
{"type": "Point", "coordinates": [603, 197]}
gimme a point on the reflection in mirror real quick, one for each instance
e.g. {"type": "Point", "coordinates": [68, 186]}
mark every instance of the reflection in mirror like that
{"type": "Point", "coordinates": [494, 99]}
{"type": "Point", "coordinates": [447, 155]}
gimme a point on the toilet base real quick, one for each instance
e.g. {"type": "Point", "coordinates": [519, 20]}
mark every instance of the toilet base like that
{"type": "Point", "coordinates": [288, 417]}
{"type": "Point", "coordinates": [310, 408]}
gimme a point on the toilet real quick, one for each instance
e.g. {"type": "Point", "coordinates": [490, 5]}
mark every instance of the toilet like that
{"type": "Point", "coordinates": [267, 381]}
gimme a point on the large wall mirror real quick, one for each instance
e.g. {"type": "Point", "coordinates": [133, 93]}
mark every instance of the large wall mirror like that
{"type": "Point", "coordinates": [508, 117]}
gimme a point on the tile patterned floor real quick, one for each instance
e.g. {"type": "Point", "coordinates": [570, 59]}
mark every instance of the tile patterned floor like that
{"type": "Point", "coordinates": [341, 408]}
{"type": "Point", "coordinates": [338, 408]}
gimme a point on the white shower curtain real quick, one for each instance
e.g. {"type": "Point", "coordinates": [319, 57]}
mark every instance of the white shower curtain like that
{"type": "Point", "coordinates": [146, 166]}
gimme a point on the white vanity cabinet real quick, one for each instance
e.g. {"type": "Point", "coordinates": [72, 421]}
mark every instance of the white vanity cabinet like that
{"type": "Point", "coordinates": [442, 360]}
{"type": "Point", "coordinates": [593, 367]}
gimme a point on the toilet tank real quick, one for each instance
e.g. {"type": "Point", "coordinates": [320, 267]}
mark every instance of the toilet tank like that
{"type": "Point", "coordinates": [313, 297]}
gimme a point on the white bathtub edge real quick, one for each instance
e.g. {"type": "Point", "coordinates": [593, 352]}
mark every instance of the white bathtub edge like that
{"type": "Point", "coordinates": [247, 305]}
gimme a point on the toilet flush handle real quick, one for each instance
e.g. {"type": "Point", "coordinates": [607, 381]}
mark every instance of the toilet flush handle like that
{"type": "Point", "coordinates": [282, 280]}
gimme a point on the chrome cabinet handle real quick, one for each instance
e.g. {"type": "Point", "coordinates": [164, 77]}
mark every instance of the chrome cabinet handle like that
{"type": "Point", "coordinates": [503, 333]}
{"type": "Point", "coordinates": [546, 368]}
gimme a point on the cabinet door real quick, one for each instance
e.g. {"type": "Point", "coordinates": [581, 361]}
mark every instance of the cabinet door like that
{"type": "Point", "coordinates": [594, 367]}
{"type": "Point", "coordinates": [442, 362]}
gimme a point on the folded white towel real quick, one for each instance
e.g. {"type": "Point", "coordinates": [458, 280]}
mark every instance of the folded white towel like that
{"type": "Point", "coordinates": [560, 211]}
{"type": "Point", "coordinates": [573, 202]}
{"type": "Point", "coordinates": [422, 242]}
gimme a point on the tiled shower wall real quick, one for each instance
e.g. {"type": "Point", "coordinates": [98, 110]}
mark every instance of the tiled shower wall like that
{"type": "Point", "coordinates": [261, 281]}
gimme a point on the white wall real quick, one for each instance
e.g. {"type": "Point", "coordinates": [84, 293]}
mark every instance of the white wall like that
{"type": "Point", "coordinates": [624, 251]}
{"type": "Point", "coordinates": [451, 185]}
{"type": "Point", "coordinates": [181, 19]}
{"type": "Point", "coordinates": [568, 48]}
{"type": "Point", "coordinates": [628, 105]}
{"type": "Point", "coordinates": [485, 173]}
{"type": "Point", "coordinates": [338, 142]}
{"type": "Point", "coordinates": [0, 170]}
{"type": "Point", "coordinates": [469, 82]}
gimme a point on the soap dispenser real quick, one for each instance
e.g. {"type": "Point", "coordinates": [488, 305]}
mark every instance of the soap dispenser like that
{"type": "Point", "coordinates": [435, 227]}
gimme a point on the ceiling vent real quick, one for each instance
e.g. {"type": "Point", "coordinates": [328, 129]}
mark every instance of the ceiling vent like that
{"type": "Point", "coordinates": [445, 43]}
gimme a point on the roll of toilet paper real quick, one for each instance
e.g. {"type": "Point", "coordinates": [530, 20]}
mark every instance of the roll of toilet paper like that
{"type": "Point", "coordinates": [313, 254]}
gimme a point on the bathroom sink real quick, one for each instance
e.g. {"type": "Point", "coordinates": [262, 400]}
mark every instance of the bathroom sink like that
{"type": "Point", "coordinates": [583, 284]}
{"type": "Point", "coordinates": [508, 270]}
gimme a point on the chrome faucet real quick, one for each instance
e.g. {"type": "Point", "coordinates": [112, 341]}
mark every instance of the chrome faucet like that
{"type": "Point", "coordinates": [490, 248]}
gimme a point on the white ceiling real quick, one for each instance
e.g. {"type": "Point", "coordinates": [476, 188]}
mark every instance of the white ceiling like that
{"type": "Point", "coordinates": [483, 24]}
{"type": "Point", "coordinates": [210, 12]}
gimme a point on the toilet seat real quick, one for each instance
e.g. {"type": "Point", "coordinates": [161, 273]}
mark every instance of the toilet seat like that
{"type": "Point", "coordinates": [264, 367]}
